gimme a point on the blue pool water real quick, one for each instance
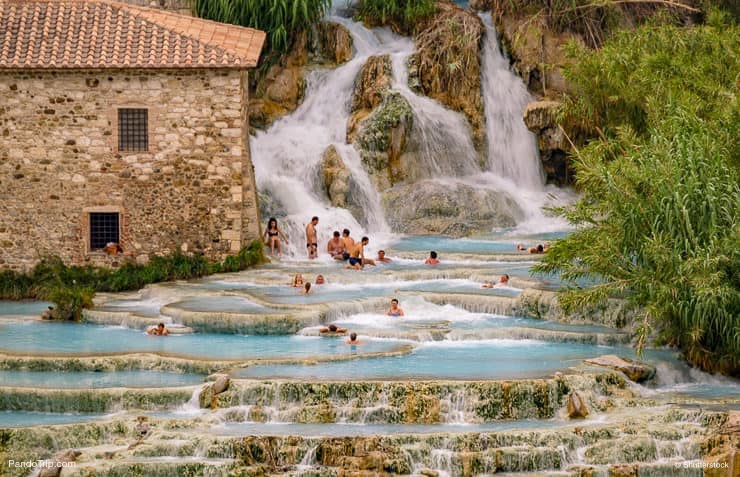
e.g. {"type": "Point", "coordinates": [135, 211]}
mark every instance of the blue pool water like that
{"type": "Point", "coordinates": [448, 245]}
{"type": "Point", "coordinates": [221, 304]}
{"type": "Point", "coordinates": [464, 360]}
{"type": "Point", "coordinates": [59, 338]}
{"type": "Point", "coordinates": [22, 308]}
{"type": "Point", "coordinates": [77, 380]}
{"type": "Point", "coordinates": [28, 418]}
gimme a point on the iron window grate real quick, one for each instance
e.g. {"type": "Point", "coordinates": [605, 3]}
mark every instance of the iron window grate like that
{"type": "Point", "coordinates": [103, 229]}
{"type": "Point", "coordinates": [133, 129]}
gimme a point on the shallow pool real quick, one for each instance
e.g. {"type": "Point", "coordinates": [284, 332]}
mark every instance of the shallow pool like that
{"type": "Point", "coordinates": [59, 338]}
{"type": "Point", "coordinates": [28, 418]}
{"type": "Point", "coordinates": [90, 379]}
{"type": "Point", "coordinates": [451, 360]}
{"type": "Point", "coordinates": [22, 308]}
{"type": "Point", "coordinates": [221, 304]}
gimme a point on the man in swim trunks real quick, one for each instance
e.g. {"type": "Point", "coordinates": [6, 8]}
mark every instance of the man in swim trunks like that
{"type": "Point", "coordinates": [335, 247]}
{"type": "Point", "coordinates": [312, 241]}
{"type": "Point", "coordinates": [353, 339]}
{"type": "Point", "coordinates": [357, 255]}
{"type": "Point", "coordinates": [349, 243]}
{"type": "Point", "coordinates": [394, 310]}
{"type": "Point", "coordinates": [160, 330]}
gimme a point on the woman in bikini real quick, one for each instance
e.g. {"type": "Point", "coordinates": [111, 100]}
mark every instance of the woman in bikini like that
{"type": "Point", "coordinates": [394, 310]}
{"type": "Point", "coordinates": [272, 236]}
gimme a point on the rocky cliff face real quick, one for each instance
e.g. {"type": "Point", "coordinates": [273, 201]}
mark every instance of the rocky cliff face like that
{"type": "Point", "coordinates": [449, 209]}
{"type": "Point", "coordinates": [447, 65]}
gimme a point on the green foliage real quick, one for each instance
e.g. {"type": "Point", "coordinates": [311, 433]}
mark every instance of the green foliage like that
{"type": "Point", "coordinates": [658, 219]}
{"type": "Point", "coordinates": [402, 15]}
{"type": "Point", "coordinates": [280, 19]}
{"type": "Point", "coordinates": [595, 20]}
{"type": "Point", "coordinates": [72, 288]}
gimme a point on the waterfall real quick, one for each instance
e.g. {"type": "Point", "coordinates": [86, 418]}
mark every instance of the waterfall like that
{"type": "Point", "coordinates": [287, 156]}
{"type": "Point", "coordinates": [512, 148]}
{"type": "Point", "coordinates": [441, 137]}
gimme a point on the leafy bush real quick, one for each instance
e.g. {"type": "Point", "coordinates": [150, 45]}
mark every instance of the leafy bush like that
{"type": "Point", "coordinates": [72, 288]}
{"type": "Point", "coordinates": [595, 20]}
{"type": "Point", "coordinates": [280, 19]}
{"type": "Point", "coordinates": [661, 187]}
{"type": "Point", "coordinates": [402, 15]}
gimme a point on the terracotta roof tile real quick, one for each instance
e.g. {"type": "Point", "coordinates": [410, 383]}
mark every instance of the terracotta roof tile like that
{"type": "Point", "coordinates": [107, 34]}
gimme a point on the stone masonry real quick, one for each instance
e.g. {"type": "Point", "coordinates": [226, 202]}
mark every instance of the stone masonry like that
{"type": "Point", "coordinates": [192, 190]}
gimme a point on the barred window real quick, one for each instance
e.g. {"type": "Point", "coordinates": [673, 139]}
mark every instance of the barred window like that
{"type": "Point", "coordinates": [133, 129]}
{"type": "Point", "coordinates": [103, 229]}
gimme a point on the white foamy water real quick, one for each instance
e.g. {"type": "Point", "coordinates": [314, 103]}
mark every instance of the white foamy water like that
{"type": "Point", "coordinates": [512, 148]}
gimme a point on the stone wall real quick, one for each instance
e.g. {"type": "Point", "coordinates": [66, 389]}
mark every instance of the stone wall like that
{"type": "Point", "coordinates": [59, 160]}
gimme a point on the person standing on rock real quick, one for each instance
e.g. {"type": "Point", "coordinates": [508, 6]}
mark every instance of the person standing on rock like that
{"type": "Point", "coordinates": [312, 241]}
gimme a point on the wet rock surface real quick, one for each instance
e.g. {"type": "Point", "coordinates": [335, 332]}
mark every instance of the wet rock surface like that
{"type": "Point", "coordinates": [455, 210]}
{"type": "Point", "coordinates": [634, 370]}
{"type": "Point", "coordinates": [627, 445]}
{"type": "Point", "coordinates": [541, 118]}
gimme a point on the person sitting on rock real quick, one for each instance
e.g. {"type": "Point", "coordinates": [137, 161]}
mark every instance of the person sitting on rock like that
{"type": "Point", "coordinates": [159, 330]}
{"type": "Point", "coordinates": [48, 314]}
{"type": "Point", "coordinates": [357, 258]}
{"type": "Point", "coordinates": [332, 329]}
{"type": "Point", "coordinates": [335, 247]}
{"type": "Point", "coordinates": [432, 260]}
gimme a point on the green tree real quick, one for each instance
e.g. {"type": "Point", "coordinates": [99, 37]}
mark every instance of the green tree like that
{"type": "Point", "coordinates": [657, 223]}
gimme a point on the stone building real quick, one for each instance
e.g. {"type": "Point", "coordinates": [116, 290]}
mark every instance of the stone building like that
{"type": "Point", "coordinates": [122, 124]}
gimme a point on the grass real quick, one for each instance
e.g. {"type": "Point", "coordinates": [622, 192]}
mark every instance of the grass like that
{"type": "Point", "coordinates": [404, 16]}
{"type": "Point", "coordinates": [282, 20]}
{"type": "Point", "coordinates": [72, 288]}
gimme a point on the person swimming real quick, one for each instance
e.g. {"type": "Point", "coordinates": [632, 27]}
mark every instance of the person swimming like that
{"type": "Point", "coordinates": [306, 288]}
{"type": "Point", "coordinates": [503, 281]}
{"type": "Point", "coordinates": [382, 258]}
{"type": "Point", "coordinates": [539, 248]}
{"type": "Point", "coordinates": [394, 310]}
{"type": "Point", "coordinates": [297, 280]}
{"type": "Point", "coordinates": [159, 330]}
{"type": "Point", "coordinates": [432, 260]}
{"type": "Point", "coordinates": [332, 329]}
{"type": "Point", "coordinates": [320, 280]}
{"type": "Point", "coordinates": [353, 339]}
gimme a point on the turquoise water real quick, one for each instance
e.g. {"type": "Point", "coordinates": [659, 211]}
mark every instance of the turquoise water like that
{"type": "Point", "coordinates": [59, 338]}
{"type": "Point", "coordinates": [460, 286]}
{"type": "Point", "coordinates": [221, 304]}
{"type": "Point", "coordinates": [90, 379]}
{"type": "Point", "coordinates": [28, 418]}
{"type": "Point", "coordinates": [22, 308]}
{"type": "Point", "coordinates": [464, 360]}
{"type": "Point", "coordinates": [448, 245]}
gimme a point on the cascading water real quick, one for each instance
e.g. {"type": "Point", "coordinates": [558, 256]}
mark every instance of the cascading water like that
{"type": "Point", "coordinates": [287, 156]}
{"type": "Point", "coordinates": [512, 148]}
{"type": "Point", "coordinates": [441, 136]}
